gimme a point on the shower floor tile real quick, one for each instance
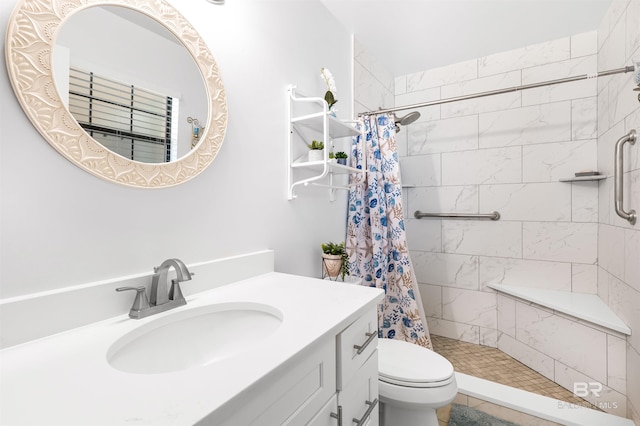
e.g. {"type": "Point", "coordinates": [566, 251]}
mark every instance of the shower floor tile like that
{"type": "Point", "coordinates": [493, 364]}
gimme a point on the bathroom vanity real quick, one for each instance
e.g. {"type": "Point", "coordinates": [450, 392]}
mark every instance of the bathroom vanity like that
{"type": "Point", "coordinates": [312, 359]}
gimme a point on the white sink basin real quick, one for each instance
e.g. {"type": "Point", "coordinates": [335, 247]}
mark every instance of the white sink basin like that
{"type": "Point", "coordinates": [193, 337]}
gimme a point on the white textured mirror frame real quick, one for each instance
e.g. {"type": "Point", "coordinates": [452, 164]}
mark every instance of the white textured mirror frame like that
{"type": "Point", "coordinates": [31, 35]}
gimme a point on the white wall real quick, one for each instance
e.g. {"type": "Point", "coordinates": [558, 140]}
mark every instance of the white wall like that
{"type": "Point", "coordinates": [62, 227]}
{"type": "Point", "coordinates": [618, 241]}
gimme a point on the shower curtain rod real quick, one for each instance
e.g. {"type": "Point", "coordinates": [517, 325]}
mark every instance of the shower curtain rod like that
{"type": "Point", "coordinates": [501, 91]}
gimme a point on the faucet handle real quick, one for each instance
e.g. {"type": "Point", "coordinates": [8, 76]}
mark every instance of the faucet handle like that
{"type": "Point", "coordinates": [140, 302]}
{"type": "Point", "coordinates": [175, 293]}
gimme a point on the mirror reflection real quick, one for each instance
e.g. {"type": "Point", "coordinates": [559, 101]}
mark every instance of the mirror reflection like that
{"type": "Point", "coordinates": [131, 85]}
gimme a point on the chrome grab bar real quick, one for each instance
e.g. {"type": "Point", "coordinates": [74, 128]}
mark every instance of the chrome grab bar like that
{"type": "Point", "coordinates": [493, 215]}
{"type": "Point", "coordinates": [618, 176]}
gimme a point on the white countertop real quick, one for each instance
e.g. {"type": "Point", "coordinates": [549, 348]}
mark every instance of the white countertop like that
{"type": "Point", "coordinates": [65, 379]}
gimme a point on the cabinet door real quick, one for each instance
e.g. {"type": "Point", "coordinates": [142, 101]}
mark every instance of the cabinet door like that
{"type": "Point", "coordinates": [355, 345]}
{"type": "Point", "coordinates": [359, 398]}
{"type": "Point", "coordinates": [327, 416]}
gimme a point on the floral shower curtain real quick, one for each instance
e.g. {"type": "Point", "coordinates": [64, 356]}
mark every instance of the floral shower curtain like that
{"type": "Point", "coordinates": [376, 240]}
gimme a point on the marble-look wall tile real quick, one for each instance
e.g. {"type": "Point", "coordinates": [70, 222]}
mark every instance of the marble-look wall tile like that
{"type": "Point", "coordinates": [448, 270]}
{"type": "Point", "coordinates": [484, 166]}
{"type": "Point", "coordinates": [575, 345]}
{"type": "Point", "coordinates": [610, 20]}
{"type": "Point", "coordinates": [620, 106]}
{"type": "Point", "coordinates": [584, 118]}
{"type": "Point", "coordinates": [506, 315]}
{"type": "Point", "coordinates": [480, 105]}
{"type": "Point", "coordinates": [533, 201]}
{"type": "Point", "coordinates": [400, 85]}
{"type": "Point", "coordinates": [437, 77]}
{"type": "Point", "coordinates": [584, 202]}
{"type": "Point", "coordinates": [632, 257]}
{"type": "Point", "coordinates": [605, 200]}
{"type": "Point", "coordinates": [423, 235]}
{"type": "Point", "coordinates": [527, 355]}
{"type": "Point", "coordinates": [479, 238]}
{"type": "Point", "coordinates": [632, 37]}
{"type": "Point", "coordinates": [564, 91]}
{"type": "Point", "coordinates": [469, 307]}
{"type": "Point", "coordinates": [565, 242]}
{"type": "Point", "coordinates": [617, 363]}
{"type": "Point", "coordinates": [369, 91]}
{"type": "Point", "coordinates": [489, 337]}
{"type": "Point", "coordinates": [611, 245]}
{"type": "Point", "coordinates": [444, 199]}
{"type": "Point", "coordinates": [483, 104]}
{"type": "Point", "coordinates": [455, 134]}
{"type": "Point", "coordinates": [632, 122]}
{"type": "Point", "coordinates": [625, 302]}
{"type": "Point", "coordinates": [612, 52]}
{"type": "Point", "coordinates": [525, 273]}
{"type": "Point", "coordinates": [418, 97]}
{"type": "Point", "coordinates": [374, 66]}
{"type": "Point", "coordinates": [633, 384]}
{"type": "Point", "coordinates": [454, 330]}
{"type": "Point", "coordinates": [537, 54]}
{"type": "Point", "coordinates": [554, 161]}
{"type": "Point", "coordinates": [402, 146]}
{"type": "Point", "coordinates": [421, 170]}
{"type": "Point", "coordinates": [431, 300]}
{"type": "Point", "coordinates": [527, 125]}
{"type": "Point", "coordinates": [584, 278]}
{"type": "Point", "coordinates": [606, 399]}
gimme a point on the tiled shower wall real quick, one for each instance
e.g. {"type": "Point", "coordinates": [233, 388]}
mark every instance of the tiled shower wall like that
{"type": "Point", "coordinates": [618, 241]}
{"type": "Point", "coordinates": [507, 153]}
{"type": "Point", "coordinates": [504, 153]}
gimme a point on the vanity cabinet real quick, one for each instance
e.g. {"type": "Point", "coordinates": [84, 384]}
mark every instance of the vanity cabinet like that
{"type": "Point", "coordinates": [357, 372]}
{"type": "Point", "coordinates": [332, 383]}
{"type": "Point", "coordinates": [290, 395]}
{"type": "Point", "coordinates": [309, 119]}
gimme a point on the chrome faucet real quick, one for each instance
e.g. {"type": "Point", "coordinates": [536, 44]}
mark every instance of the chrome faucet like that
{"type": "Point", "coordinates": [161, 298]}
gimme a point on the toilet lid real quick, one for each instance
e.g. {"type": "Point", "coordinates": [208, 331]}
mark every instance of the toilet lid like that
{"type": "Point", "coordinates": [404, 362]}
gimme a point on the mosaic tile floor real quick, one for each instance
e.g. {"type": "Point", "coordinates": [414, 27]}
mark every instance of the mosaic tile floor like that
{"type": "Point", "coordinates": [492, 364]}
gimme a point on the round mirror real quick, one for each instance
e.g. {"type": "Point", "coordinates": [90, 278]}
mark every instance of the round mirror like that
{"type": "Point", "coordinates": [140, 102]}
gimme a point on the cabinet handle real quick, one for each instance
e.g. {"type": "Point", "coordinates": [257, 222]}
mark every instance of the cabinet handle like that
{"type": "Point", "coordinates": [362, 347]}
{"type": "Point", "coordinates": [338, 416]}
{"type": "Point", "coordinates": [367, 413]}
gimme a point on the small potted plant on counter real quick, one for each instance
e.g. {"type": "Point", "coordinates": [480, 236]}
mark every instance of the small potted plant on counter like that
{"type": "Point", "coordinates": [334, 260]}
{"type": "Point", "coordinates": [342, 158]}
{"type": "Point", "coordinates": [316, 152]}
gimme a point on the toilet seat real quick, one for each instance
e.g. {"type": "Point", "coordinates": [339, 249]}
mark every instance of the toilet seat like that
{"type": "Point", "coordinates": [409, 365]}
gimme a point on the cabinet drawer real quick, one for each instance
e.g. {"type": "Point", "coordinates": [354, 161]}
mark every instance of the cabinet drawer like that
{"type": "Point", "coordinates": [359, 398]}
{"type": "Point", "coordinates": [324, 416]}
{"type": "Point", "coordinates": [355, 345]}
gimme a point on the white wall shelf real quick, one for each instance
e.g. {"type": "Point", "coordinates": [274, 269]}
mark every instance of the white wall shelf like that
{"type": "Point", "coordinates": [317, 124]}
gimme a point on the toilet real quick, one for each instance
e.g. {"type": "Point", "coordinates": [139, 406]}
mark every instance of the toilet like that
{"type": "Point", "coordinates": [413, 382]}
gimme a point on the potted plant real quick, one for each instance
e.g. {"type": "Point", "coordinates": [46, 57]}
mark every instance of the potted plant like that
{"type": "Point", "coordinates": [334, 260]}
{"type": "Point", "coordinates": [316, 152]}
{"type": "Point", "coordinates": [342, 158]}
